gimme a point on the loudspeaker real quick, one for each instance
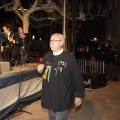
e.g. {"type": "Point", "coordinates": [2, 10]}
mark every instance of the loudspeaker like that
{"type": "Point", "coordinates": [4, 67]}
{"type": "Point", "coordinates": [98, 80]}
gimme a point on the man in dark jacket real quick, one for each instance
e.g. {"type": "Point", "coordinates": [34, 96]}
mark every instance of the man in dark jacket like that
{"type": "Point", "coordinates": [62, 81]}
{"type": "Point", "coordinates": [24, 37]}
{"type": "Point", "coordinates": [24, 48]}
{"type": "Point", "coordinates": [11, 47]}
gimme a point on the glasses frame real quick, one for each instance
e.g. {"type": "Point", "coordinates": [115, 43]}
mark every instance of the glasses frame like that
{"type": "Point", "coordinates": [54, 40]}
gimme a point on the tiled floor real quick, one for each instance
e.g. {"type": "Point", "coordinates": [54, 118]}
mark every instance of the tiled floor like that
{"type": "Point", "coordinates": [98, 104]}
{"type": "Point", "coordinates": [107, 100]}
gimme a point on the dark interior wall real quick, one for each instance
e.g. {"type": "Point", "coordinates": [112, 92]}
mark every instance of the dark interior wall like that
{"type": "Point", "coordinates": [92, 28]}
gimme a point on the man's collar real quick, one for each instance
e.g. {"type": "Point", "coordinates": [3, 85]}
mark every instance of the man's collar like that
{"type": "Point", "coordinates": [58, 53]}
{"type": "Point", "coordinates": [9, 33]}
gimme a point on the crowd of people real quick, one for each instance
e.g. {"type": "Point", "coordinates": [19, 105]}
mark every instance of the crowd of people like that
{"type": "Point", "coordinates": [16, 43]}
{"type": "Point", "coordinates": [108, 54]}
{"type": "Point", "coordinates": [100, 52]}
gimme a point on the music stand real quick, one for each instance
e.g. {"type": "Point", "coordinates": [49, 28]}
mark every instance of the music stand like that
{"type": "Point", "coordinates": [2, 39]}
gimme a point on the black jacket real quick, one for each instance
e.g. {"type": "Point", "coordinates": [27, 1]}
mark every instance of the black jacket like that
{"type": "Point", "coordinates": [63, 83]}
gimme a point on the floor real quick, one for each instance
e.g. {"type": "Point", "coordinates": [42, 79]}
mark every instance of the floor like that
{"type": "Point", "coordinates": [98, 104]}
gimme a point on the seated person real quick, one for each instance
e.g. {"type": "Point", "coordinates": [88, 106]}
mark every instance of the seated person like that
{"type": "Point", "coordinates": [12, 46]}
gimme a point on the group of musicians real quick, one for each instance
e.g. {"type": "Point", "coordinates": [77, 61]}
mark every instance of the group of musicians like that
{"type": "Point", "coordinates": [16, 42]}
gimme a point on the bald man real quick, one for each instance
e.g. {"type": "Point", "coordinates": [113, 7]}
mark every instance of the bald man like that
{"type": "Point", "coordinates": [62, 82]}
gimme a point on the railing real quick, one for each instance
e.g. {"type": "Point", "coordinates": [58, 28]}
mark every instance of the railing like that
{"type": "Point", "coordinates": [91, 66]}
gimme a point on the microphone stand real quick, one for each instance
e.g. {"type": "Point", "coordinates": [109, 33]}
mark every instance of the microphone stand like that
{"type": "Point", "coordinates": [24, 54]}
{"type": "Point", "coordinates": [21, 51]}
{"type": "Point", "coordinates": [19, 106]}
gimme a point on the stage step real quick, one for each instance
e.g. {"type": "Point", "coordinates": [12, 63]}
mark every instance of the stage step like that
{"type": "Point", "coordinates": [4, 67]}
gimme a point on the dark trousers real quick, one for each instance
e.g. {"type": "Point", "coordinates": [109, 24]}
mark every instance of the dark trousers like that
{"type": "Point", "coordinates": [57, 115]}
{"type": "Point", "coordinates": [7, 51]}
{"type": "Point", "coordinates": [15, 51]}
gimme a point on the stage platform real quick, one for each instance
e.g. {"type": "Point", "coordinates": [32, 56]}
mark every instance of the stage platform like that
{"type": "Point", "coordinates": [20, 68]}
{"type": "Point", "coordinates": [22, 83]}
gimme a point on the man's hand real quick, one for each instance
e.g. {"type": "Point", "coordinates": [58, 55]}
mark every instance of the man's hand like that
{"type": "Point", "coordinates": [2, 48]}
{"type": "Point", "coordinates": [11, 39]}
{"type": "Point", "coordinates": [77, 101]}
{"type": "Point", "coordinates": [40, 68]}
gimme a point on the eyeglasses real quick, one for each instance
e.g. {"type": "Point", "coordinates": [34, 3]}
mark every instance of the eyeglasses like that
{"type": "Point", "coordinates": [54, 40]}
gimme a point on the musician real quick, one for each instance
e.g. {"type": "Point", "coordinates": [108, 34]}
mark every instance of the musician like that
{"type": "Point", "coordinates": [24, 37]}
{"type": "Point", "coordinates": [12, 46]}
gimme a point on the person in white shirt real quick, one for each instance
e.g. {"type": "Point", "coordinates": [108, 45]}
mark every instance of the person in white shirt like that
{"type": "Point", "coordinates": [11, 47]}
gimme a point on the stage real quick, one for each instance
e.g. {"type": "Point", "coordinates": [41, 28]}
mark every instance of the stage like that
{"type": "Point", "coordinates": [19, 68]}
{"type": "Point", "coordinates": [22, 83]}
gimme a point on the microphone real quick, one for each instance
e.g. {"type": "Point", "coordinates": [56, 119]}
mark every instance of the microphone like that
{"type": "Point", "coordinates": [22, 35]}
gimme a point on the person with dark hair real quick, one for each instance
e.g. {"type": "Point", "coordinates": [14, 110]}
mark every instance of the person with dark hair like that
{"type": "Point", "coordinates": [108, 59]}
{"type": "Point", "coordinates": [7, 51]}
{"type": "Point", "coordinates": [11, 47]}
{"type": "Point", "coordinates": [80, 54]}
{"type": "Point", "coordinates": [116, 62]}
{"type": "Point", "coordinates": [62, 82]}
{"type": "Point", "coordinates": [25, 40]}
{"type": "Point", "coordinates": [87, 53]}
{"type": "Point", "coordinates": [116, 56]}
{"type": "Point", "coordinates": [98, 53]}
